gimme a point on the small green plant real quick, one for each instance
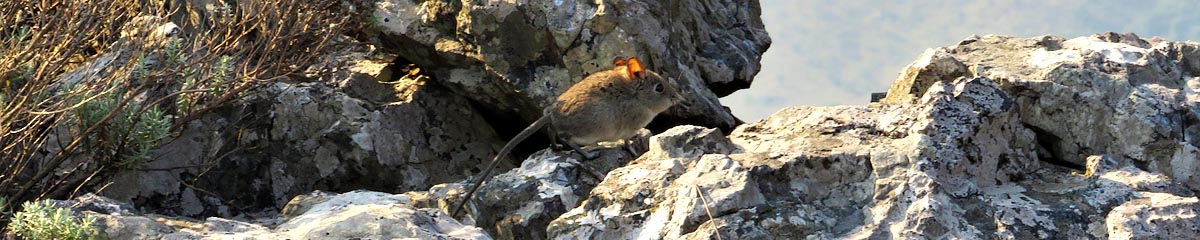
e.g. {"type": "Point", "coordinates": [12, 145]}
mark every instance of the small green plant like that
{"type": "Point", "coordinates": [150, 127]}
{"type": "Point", "coordinates": [132, 134]}
{"type": "Point", "coordinates": [184, 103]}
{"type": "Point", "coordinates": [42, 220]}
{"type": "Point", "coordinates": [214, 80]}
{"type": "Point", "coordinates": [140, 70]}
{"type": "Point", "coordinates": [94, 111]}
{"type": "Point", "coordinates": [174, 51]}
{"type": "Point", "coordinates": [220, 74]}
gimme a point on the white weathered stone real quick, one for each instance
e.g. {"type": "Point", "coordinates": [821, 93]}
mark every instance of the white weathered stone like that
{"type": "Point", "coordinates": [1155, 216]}
{"type": "Point", "coordinates": [352, 215]}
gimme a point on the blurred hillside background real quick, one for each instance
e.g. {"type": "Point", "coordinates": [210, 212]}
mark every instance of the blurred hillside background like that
{"type": "Point", "coordinates": [829, 52]}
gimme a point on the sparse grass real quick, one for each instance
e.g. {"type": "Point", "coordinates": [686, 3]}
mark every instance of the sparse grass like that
{"type": "Point", "coordinates": [42, 220]}
{"type": "Point", "coordinates": [83, 101]}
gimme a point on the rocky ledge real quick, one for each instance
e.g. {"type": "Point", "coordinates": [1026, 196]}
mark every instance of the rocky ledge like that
{"type": "Point", "coordinates": [997, 137]}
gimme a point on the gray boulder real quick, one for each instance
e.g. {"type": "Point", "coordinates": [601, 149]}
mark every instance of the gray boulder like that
{"type": "Point", "coordinates": [351, 215]}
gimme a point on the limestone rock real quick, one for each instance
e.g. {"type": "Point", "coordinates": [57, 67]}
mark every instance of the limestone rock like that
{"type": "Point", "coordinates": [518, 204]}
{"type": "Point", "coordinates": [1155, 216]}
{"type": "Point", "coordinates": [357, 214]}
{"type": "Point", "coordinates": [515, 57]}
{"type": "Point", "coordinates": [375, 215]}
{"type": "Point", "coordinates": [657, 176]}
{"type": "Point", "coordinates": [1105, 94]}
{"type": "Point", "coordinates": [932, 66]}
{"type": "Point", "coordinates": [977, 156]}
{"type": "Point", "coordinates": [118, 220]}
{"type": "Point", "coordinates": [799, 172]}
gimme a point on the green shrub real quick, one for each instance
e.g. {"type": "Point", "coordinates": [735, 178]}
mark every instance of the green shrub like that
{"type": "Point", "coordinates": [213, 79]}
{"type": "Point", "coordinates": [131, 135]}
{"type": "Point", "coordinates": [149, 127]}
{"type": "Point", "coordinates": [42, 220]}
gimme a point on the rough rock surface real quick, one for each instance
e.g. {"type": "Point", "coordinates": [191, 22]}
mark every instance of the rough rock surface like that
{"type": "Point", "coordinates": [363, 118]}
{"type": "Point", "coordinates": [997, 153]}
{"type": "Point", "coordinates": [1041, 138]}
{"type": "Point", "coordinates": [518, 204]}
{"type": "Point", "coordinates": [996, 137]}
{"type": "Point", "coordinates": [345, 130]}
{"type": "Point", "coordinates": [1155, 216]}
{"type": "Point", "coordinates": [514, 57]}
{"type": "Point", "coordinates": [351, 215]}
{"type": "Point", "coordinates": [1106, 94]}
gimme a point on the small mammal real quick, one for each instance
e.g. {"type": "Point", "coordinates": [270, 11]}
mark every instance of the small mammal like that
{"type": "Point", "coordinates": [606, 106]}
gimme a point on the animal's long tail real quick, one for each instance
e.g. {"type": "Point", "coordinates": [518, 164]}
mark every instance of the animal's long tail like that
{"type": "Point", "coordinates": [538, 124]}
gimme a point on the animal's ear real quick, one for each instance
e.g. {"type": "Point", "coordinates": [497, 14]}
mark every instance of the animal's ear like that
{"type": "Point", "coordinates": [619, 61]}
{"type": "Point", "coordinates": [634, 69]}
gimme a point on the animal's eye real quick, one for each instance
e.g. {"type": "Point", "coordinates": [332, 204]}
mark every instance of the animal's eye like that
{"type": "Point", "coordinates": [658, 88]}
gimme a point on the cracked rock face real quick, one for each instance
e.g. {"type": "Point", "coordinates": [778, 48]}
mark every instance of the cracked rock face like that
{"type": "Point", "coordinates": [1106, 94]}
{"type": "Point", "coordinates": [518, 204]}
{"type": "Point", "coordinates": [812, 171]}
{"type": "Point", "coordinates": [1032, 139]}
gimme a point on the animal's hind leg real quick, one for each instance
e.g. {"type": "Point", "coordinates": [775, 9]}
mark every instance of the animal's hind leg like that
{"type": "Point", "coordinates": [595, 173]}
{"type": "Point", "coordinates": [638, 144]}
{"type": "Point", "coordinates": [586, 155]}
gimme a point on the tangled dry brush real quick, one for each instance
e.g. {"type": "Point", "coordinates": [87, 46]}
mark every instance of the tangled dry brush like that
{"type": "Point", "coordinates": [90, 88]}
